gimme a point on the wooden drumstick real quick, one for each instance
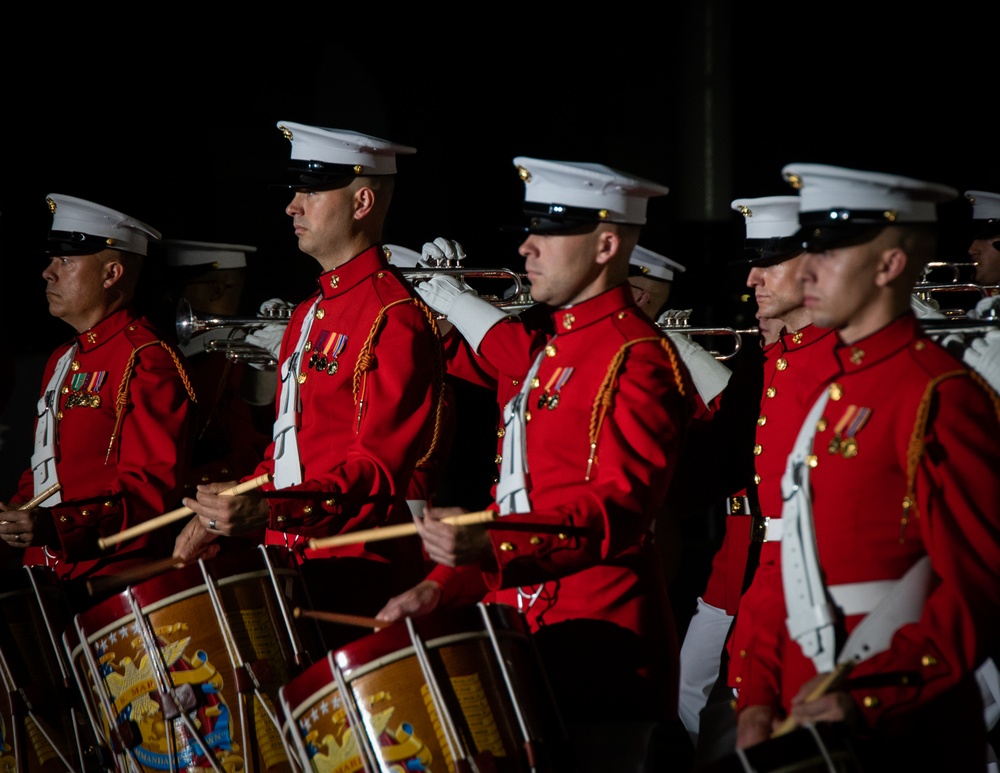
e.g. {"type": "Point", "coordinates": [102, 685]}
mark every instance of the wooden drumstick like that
{"type": "Point", "coordinates": [36, 500]}
{"type": "Point", "coordinates": [339, 617]}
{"type": "Point", "coordinates": [397, 530]}
{"type": "Point", "coordinates": [831, 681]}
{"type": "Point", "coordinates": [176, 515]}
{"type": "Point", "coordinates": [99, 585]}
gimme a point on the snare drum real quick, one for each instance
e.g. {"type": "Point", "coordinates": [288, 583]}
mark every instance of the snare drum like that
{"type": "Point", "coordinates": [825, 747]}
{"type": "Point", "coordinates": [43, 725]}
{"type": "Point", "coordinates": [434, 693]}
{"type": "Point", "coordinates": [181, 671]}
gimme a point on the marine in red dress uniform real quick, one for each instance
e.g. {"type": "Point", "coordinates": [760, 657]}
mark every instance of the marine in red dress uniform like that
{"type": "Point", "coordinates": [360, 392]}
{"type": "Point", "coordinates": [597, 403]}
{"type": "Point", "coordinates": [120, 418]}
{"type": "Point", "coordinates": [902, 466]}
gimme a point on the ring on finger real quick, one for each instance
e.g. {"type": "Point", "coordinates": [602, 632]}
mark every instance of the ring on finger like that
{"type": "Point", "coordinates": [211, 524]}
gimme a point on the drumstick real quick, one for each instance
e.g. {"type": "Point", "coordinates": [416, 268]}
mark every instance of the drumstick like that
{"type": "Point", "coordinates": [397, 530]}
{"type": "Point", "coordinates": [99, 585]}
{"type": "Point", "coordinates": [832, 680]}
{"type": "Point", "coordinates": [36, 500]}
{"type": "Point", "coordinates": [176, 515]}
{"type": "Point", "coordinates": [338, 617]}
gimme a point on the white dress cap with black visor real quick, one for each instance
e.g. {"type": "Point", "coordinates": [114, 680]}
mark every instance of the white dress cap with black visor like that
{"type": "Point", "coordinates": [562, 196]}
{"type": "Point", "coordinates": [183, 253]}
{"type": "Point", "coordinates": [81, 227]}
{"type": "Point", "coordinates": [985, 214]}
{"type": "Point", "coordinates": [644, 262]}
{"type": "Point", "coordinates": [324, 159]}
{"type": "Point", "coordinates": [772, 226]}
{"type": "Point", "coordinates": [840, 207]}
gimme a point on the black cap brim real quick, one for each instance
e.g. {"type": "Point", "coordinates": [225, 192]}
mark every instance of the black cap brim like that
{"type": "Point", "coordinates": [831, 237]}
{"type": "Point", "coordinates": [769, 252]}
{"type": "Point", "coordinates": [75, 243]}
{"type": "Point", "coordinates": [985, 229]}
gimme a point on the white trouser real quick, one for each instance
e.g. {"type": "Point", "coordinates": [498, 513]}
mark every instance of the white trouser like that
{"type": "Point", "coordinates": [701, 654]}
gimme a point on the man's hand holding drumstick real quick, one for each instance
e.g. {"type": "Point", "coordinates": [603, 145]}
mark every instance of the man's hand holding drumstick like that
{"type": "Point", "coordinates": [218, 513]}
{"type": "Point", "coordinates": [27, 525]}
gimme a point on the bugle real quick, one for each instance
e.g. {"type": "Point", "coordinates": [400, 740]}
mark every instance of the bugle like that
{"type": "Point", "coordinates": [678, 321]}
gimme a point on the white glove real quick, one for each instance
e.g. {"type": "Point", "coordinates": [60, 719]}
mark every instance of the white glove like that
{"type": "Point", "coordinates": [442, 252]}
{"type": "Point", "coordinates": [709, 375]}
{"type": "Point", "coordinates": [925, 309]}
{"type": "Point", "coordinates": [269, 336]}
{"type": "Point", "coordinates": [983, 356]}
{"type": "Point", "coordinates": [987, 308]}
{"type": "Point", "coordinates": [461, 305]}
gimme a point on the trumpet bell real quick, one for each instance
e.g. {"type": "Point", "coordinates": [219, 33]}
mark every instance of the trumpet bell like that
{"type": "Point", "coordinates": [189, 324]}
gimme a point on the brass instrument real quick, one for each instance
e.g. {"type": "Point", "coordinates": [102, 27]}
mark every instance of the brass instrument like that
{"type": "Point", "coordinates": [189, 324]}
{"type": "Point", "coordinates": [234, 348]}
{"type": "Point", "coordinates": [959, 326]}
{"type": "Point", "coordinates": [678, 321]}
{"type": "Point", "coordinates": [515, 297]}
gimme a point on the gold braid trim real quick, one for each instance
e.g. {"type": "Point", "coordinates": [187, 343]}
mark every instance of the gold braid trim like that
{"type": "Point", "coordinates": [602, 403]}
{"type": "Point", "coordinates": [439, 371]}
{"type": "Point", "coordinates": [121, 399]}
{"type": "Point", "coordinates": [364, 362]}
{"type": "Point", "coordinates": [916, 448]}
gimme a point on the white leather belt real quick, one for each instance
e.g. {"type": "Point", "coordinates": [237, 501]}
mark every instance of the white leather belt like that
{"type": "Point", "coordinates": [766, 529]}
{"type": "Point", "coordinates": [859, 598]}
{"type": "Point", "coordinates": [737, 506]}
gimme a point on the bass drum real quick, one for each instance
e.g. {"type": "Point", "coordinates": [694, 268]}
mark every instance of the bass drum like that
{"type": "Point", "coordinates": [182, 671]}
{"type": "Point", "coordinates": [43, 723]}
{"type": "Point", "coordinates": [455, 690]}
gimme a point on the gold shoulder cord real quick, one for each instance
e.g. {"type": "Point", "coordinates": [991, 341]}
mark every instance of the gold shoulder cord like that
{"type": "Point", "coordinates": [121, 399]}
{"type": "Point", "coordinates": [602, 403]}
{"type": "Point", "coordinates": [916, 447]}
{"type": "Point", "coordinates": [365, 357]}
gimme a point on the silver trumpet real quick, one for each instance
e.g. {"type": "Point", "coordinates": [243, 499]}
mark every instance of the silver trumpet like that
{"type": "Point", "coordinates": [190, 325]}
{"type": "Point", "coordinates": [516, 297]}
{"type": "Point", "coordinates": [679, 321]}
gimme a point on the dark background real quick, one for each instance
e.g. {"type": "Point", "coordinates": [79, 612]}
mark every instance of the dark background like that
{"type": "Point", "coordinates": [172, 119]}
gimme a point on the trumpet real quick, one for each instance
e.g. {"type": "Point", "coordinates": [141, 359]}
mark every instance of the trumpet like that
{"type": "Point", "coordinates": [189, 324]}
{"type": "Point", "coordinates": [515, 297]}
{"type": "Point", "coordinates": [678, 321]}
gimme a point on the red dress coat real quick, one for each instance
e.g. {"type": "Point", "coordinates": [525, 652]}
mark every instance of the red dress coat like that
{"type": "Point", "coordinates": [600, 459]}
{"type": "Point", "coordinates": [369, 413]}
{"type": "Point", "coordinates": [907, 453]}
{"type": "Point", "coordinates": [793, 365]}
{"type": "Point", "coordinates": [123, 446]}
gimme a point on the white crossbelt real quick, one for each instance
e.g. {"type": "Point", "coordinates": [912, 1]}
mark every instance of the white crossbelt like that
{"type": "Point", "coordinates": [287, 466]}
{"type": "Point", "coordinates": [43, 457]}
{"type": "Point", "coordinates": [512, 488]}
{"type": "Point", "coordinates": [811, 616]}
{"type": "Point", "coordinates": [811, 606]}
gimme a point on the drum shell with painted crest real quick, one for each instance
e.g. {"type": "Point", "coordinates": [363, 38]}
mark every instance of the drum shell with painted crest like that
{"type": "Point", "coordinates": [204, 647]}
{"type": "Point", "coordinates": [515, 727]}
{"type": "Point", "coordinates": [41, 714]}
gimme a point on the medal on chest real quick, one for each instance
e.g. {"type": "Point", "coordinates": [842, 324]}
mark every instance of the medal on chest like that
{"type": "Point", "coordinates": [550, 396]}
{"type": "Point", "coordinates": [325, 350]}
{"type": "Point", "coordinates": [844, 440]}
{"type": "Point", "coordinates": [83, 389]}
